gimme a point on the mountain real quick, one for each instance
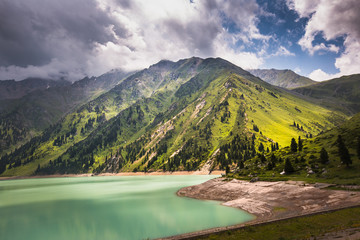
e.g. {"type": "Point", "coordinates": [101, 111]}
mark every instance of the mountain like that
{"type": "Point", "coordinates": [342, 94]}
{"type": "Point", "coordinates": [308, 164]}
{"type": "Point", "coordinates": [11, 89]}
{"type": "Point", "coordinates": [46, 103]}
{"type": "Point", "coordinates": [186, 115]}
{"type": "Point", "coordinates": [282, 78]}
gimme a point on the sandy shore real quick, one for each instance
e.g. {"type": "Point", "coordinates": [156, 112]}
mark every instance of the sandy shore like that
{"type": "Point", "coordinates": [117, 174]}
{"type": "Point", "coordinates": [269, 201]}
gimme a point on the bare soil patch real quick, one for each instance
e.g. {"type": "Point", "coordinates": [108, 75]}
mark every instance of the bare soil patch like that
{"type": "Point", "coordinates": [272, 200]}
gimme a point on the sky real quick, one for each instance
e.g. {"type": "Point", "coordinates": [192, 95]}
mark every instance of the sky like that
{"type": "Point", "coordinates": [71, 39]}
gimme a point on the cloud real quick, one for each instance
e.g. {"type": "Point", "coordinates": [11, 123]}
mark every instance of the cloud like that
{"type": "Point", "coordinates": [332, 20]}
{"type": "Point", "coordinates": [304, 8]}
{"type": "Point", "coordinates": [72, 39]}
{"type": "Point", "coordinates": [297, 70]}
{"type": "Point", "coordinates": [319, 75]}
{"type": "Point", "coordinates": [282, 51]}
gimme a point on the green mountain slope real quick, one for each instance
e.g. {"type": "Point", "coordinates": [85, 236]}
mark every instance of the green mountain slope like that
{"type": "Point", "coordinates": [78, 124]}
{"type": "Point", "coordinates": [282, 78]}
{"type": "Point", "coordinates": [308, 164]}
{"type": "Point", "coordinates": [173, 116]}
{"type": "Point", "coordinates": [26, 117]}
{"type": "Point", "coordinates": [342, 93]}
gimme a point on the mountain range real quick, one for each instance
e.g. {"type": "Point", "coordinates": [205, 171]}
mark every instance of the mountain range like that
{"type": "Point", "coordinates": [282, 78]}
{"type": "Point", "coordinates": [30, 106]}
{"type": "Point", "coordinates": [193, 114]}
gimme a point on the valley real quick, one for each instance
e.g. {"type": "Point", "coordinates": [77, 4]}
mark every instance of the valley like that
{"type": "Point", "coordinates": [199, 117]}
{"type": "Point", "coordinates": [179, 119]}
{"type": "Point", "coordinates": [174, 116]}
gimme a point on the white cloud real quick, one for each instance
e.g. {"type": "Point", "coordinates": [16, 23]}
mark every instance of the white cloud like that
{"type": "Point", "coordinates": [141, 32]}
{"type": "Point", "coordinates": [349, 61]}
{"type": "Point", "coordinates": [304, 8]}
{"type": "Point", "coordinates": [319, 75]}
{"type": "Point", "coordinates": [331, 19]}
{"type": "Point", "coordinates": [282, 51]}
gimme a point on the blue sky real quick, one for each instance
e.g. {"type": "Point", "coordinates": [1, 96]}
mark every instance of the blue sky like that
{"type": "Point", "coordinates": [72, 39]}
{"type": "Point", "coordinates": [287, 28]}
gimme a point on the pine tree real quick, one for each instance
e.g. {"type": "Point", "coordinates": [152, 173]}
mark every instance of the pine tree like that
{"type": "Point", "coordinates": [288, 168]}
{"type": "Point", "coordinates": [324, 157]}
{"type": "Point", "coordinates": [343, 152]}
{"type": "Point", "coordinates": [261, 147]}
{"type": "Point", "coordinates": [2, 166]}
{"type": "Point", "coordinates": [241, 164]}
{"type": "Point", "coordinates": [293, 145]}
{"type": "Point", "coordinates": [358, 147]}
{"type": "Point", "coordinates": [227, 169]}
{"type": "Point", "coordinates": [300, 144]}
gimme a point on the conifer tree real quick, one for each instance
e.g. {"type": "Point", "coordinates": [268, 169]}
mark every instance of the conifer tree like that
{"type": "Point", "coordinates": [343, 152]}
{"type": "Point", "coordinates": [293, 145]}
{"type": "Point", "coordinates": [2, 166]}
{"type": "Point", "coordinates": [261, 147]}
{"type": "Point", "coordinates": [300, 144]}
{"type": "Point", "coordinates": [227, 169]}
{"type": "Point", "coordinates": [358, 147]}
{"type": "Point", "coordinates": [241, 165]}
{"type": "Point", "coordinates": [324, 157]}
{"type": "Point", "coordinates": [288, 168]}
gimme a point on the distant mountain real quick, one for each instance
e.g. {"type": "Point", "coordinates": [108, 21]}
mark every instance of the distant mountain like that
{"type": "Point", "coordinates": [282, 78]}
{"type": "Point", "coordinates": [341, 94]}
{"type": "Point", "coordinates": [186, 115]}
{"type": "Point", "coordinates": [46, 103]}
{"type": "Point", "coordinates": [11, 89]}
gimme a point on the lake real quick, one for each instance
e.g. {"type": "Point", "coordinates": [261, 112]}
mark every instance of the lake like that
{"type": "Point", "coordinates": [115, 207]}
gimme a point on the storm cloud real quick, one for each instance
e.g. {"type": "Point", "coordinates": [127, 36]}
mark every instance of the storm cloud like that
{"type": "Point", "coordinates": [33, 32]}
{"type": "Point", "coordinates": [72, 39]}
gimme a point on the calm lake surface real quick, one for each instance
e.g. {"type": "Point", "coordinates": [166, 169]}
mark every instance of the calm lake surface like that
{"type": "Point", "coordinates": [138, 207]}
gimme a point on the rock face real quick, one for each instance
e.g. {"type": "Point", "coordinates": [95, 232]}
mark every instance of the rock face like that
{"type": "Point", "coordinates": [282, 78]}
{"type": "Point", "coordinates": [272, 200]}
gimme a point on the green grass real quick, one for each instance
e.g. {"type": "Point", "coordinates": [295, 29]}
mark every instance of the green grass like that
{"type": "Point", "coordinates": [272, 109]}
{"type": "Point", "coordinates": [296, 228]}
{"type": "Point", "coordinates": [332, 172]}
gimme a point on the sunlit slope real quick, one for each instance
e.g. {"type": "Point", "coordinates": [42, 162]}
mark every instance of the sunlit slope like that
{"type": "Point", "coordinates": [181, 125]}
{"type": "Point", "coordinates": [307, 163]}
{"type": "Point", "coordinates": [78, 124]}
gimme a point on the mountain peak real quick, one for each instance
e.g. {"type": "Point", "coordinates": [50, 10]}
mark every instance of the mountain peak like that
{"type": "Point", "coordinates": [285, 78]}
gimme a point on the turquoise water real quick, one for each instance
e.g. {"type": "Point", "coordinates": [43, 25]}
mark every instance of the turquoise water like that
{"type": "Point", "coordinates": [137, 207]}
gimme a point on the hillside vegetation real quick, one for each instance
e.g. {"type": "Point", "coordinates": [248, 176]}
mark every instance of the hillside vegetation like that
{"type": "Point", "coordinates": [36, 104]}
{"type": "Point", "coordinates": [319, 160]}
{"type": "Point", "coordinates": [342, 94]}
{"type": "Point", "coordinates": [195, 114]}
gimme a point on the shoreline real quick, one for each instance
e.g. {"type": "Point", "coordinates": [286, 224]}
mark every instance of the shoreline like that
{"type": "Point", "coordinates": [268, 201]}
{"type": "Point", "coordinates": [252, 223]}
{"type": "Point", "coordinates": [115, 174]}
